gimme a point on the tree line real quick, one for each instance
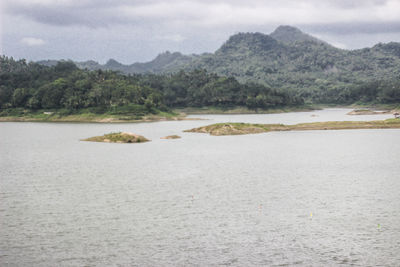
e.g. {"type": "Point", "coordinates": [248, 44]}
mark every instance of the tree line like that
{"type": "Point", "coordinates": [64, 86]}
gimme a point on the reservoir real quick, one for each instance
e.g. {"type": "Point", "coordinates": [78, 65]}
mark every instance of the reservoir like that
{"type": "Point", "coordinates": [303, 198]}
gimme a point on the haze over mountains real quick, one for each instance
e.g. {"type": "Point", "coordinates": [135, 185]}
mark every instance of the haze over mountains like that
{"type": "Point", "coordinates": [286, 58]}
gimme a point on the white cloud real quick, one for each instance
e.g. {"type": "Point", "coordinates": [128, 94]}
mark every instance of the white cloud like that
{"type": "Point", "coordinates": [42, 2]}
{"type": "Point", "coordinates": [1, 27]}
{"type": "Point", "coordinates": [253, 12]}
{"type": "Point", "coordinates": [143, 28]}
{"type": "Point", "coordinates": [32, 41]}
{"type": "Point", "coordinates": [205, 13]}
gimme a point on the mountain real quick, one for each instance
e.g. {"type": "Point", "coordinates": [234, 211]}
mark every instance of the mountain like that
{"type": "Point", "coordinates": [112, 64]}
{"type": "Point", "coordinates": [292, 60]}
{"type": "Point", "coordinates": [287, 58]}
{"type": "Point", "coordinates": [163, 62]}
{"type": "Point", "coordinates": [248, 43]}
{"type": "Point", "coordinates": [289, 35]}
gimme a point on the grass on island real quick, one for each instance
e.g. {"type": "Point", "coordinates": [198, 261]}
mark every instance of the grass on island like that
{"type": "Point", "coordinates": [118, 138]}
{"type": "Point", "coordinates": [248, 128]}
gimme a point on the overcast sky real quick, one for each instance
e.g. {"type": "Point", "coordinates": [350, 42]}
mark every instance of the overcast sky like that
{"type": "Point", "coordinates": [138, 30]}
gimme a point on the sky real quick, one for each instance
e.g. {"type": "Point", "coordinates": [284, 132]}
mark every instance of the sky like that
{"type": "Point", "coordinates": [138, 30]}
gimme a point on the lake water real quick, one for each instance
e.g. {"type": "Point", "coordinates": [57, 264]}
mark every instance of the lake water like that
{"type": "Point", "coordinates": [305, 198]}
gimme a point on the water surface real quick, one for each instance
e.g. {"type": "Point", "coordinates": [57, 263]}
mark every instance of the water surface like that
{"type": "Point", "coordinates": [306, 198]}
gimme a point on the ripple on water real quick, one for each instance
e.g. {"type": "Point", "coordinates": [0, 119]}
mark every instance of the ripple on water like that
{"type": "Point", "coordinates": [279, 199]}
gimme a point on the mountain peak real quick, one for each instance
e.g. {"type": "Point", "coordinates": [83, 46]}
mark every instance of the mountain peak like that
{"type": "Point", "coordinates": [113, 63]}
{"type": "Point", "coordinates": [289, 34]}
{"type": "Point", "coordinates": [168, 55]}
{"type": "Point", "coordinates": [248, 41]}
{"type": "Point", "coordinates": [284, 29]}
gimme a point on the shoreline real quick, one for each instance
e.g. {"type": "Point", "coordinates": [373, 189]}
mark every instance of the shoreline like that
{"type": "Point", "coordinates": [181, 114]}
{"type": "Point", "coordinates": [94, 118]}
{"type": "Point", "coordinates": [178, 114]}
{"type": "Point", "coordinates": [72, 119]}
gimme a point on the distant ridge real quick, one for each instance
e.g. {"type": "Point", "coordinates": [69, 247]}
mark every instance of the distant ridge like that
{"type": "Point", "coordinates": [162, 62]}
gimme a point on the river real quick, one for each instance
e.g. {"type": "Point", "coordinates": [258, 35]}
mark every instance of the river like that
{"type": "Point", "coordinates": [305, 198]}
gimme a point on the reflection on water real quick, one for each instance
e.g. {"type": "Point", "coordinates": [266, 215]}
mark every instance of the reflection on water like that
{"type": "Point", "coordinates": [312, 198]}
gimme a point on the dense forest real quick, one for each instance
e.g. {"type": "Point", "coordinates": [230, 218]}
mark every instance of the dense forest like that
{"type": "Point", "coordinates": [65, 86]}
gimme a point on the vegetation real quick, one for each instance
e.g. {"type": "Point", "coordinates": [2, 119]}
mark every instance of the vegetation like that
{"type": "Point", "coordinates": [235, 128]}
{"type": "Point", "coordinates": [36, 91]}
{"type": "Point", "coordinates": [248, 128]}
{"type": "Point", "coordinates": [64, 86]}
{"type": "Point", "coordinates": [171, 137]}
{"type": "Point", "coordinates": [118, 138]}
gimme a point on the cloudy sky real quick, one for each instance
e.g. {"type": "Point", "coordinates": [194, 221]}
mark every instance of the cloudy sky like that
{"type": "Point", "coordinates": [138, 30]}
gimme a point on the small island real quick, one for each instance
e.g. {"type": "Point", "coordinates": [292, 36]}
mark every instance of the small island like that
{"type": "Point", "coordinates": [121, 137]}
{"type": "Point", "coordinates": [174, 136]}
{"type": "Point", "coordinates": [367, 112]}
{"type": "Point", "coordinates": [249, 128]}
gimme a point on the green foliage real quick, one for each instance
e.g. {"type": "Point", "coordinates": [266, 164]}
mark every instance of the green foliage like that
{"type": "Point", "coordinates": [128, 110]}
{"type": "Point", "coordinates": [64, 86]}
{"type": "Point", "coordinates": [20, 96]}
{"type": "Point", "coordinates": [200, 88]}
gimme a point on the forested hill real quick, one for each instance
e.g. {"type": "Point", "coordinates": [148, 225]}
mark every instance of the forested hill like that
{"type": "Point", "coordinates": [307, 66]}
{"type": "Point", "coordinates": [287, 58]}
{"type": "Point", "coordinates": [64, 86]}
